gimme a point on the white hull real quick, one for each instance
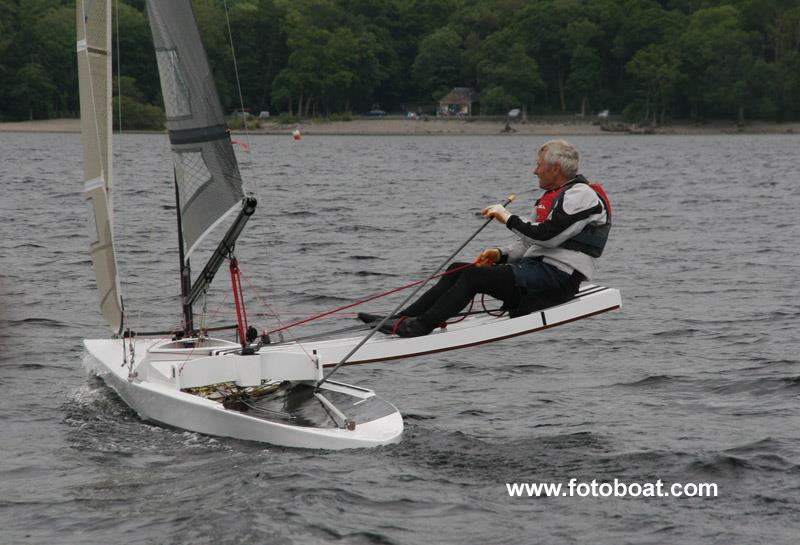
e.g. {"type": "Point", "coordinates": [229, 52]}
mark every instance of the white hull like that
{"type": "Point", "coordinates": [158, 397]}
{"type": "Point", "coordinates": [474, 330]}
{"type": "Point", "coordinates": [163, 369]}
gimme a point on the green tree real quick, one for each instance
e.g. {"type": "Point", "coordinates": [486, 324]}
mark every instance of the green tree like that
{"type": "Point", "coordinates": [301, 79]}
{"type": "Point", "coordinates": [777, 24]}
{"type": "Point", "coordinates": [260, 46]}
{"type": "Point", "coordinates": [542, 25]}
{"type": "Point", "coordinates": [137, 58]}
{"type": "Point", "coordinates": [352, 70]}
{"type": "Point", "coordinates": [585, 65]}
{"type": "Point", "coordinates": [642, 22]}
{"type": "Point", "coordinates": [285, 88]}
{"type": "Point", "coordinates": [378, 21]}
{"type": "Point", "coordinates": [333, 61]}
{"type": "Point", "coordinates": [495, 100]}
{"type": "Point", "coordinates": [585, 73]}
{"type": "Point", "coordinates": [8, 19]}
{"type": "Point", "coordinates": [47, 30]}
{"type": "Point", "coordinates": [438, 65]}
{"type": "Point", "coordinates": [137, 113]}
{"type": "Point", "coordinates": [718, 60]}
{"type": "Point", "coordinates": [736, 57]}
{"type": "Point", "coordinates": [508, 75]}
{"type": "Point", "coordinates": [410, 21]}
{"type": "Point", "coordinates": [33, 92]}
{"type": "Point", "coordinates": [788, 81]}
{"type": "Point", "coordinates": [656, 69]}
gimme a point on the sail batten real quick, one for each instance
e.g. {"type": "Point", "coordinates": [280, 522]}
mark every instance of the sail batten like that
{"type": "Point", "coordinates": [206, 172]}
{"type": "Point", "coordinates": [93, 47]}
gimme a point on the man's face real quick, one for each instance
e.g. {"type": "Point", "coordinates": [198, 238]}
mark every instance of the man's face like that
{"type": "Point", "coordinates": [549, 175]}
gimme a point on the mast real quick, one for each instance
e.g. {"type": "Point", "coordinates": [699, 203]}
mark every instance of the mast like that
{"type": "Point", "coordinates": [186, 272]}
{"type": "Point", "coordinates": [208, 186]}
{"type": "Point", "coordinates": [224, 250]}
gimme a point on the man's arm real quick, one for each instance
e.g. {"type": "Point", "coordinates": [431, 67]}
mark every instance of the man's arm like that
{"type": "Point", "coordinates": [579, 207]}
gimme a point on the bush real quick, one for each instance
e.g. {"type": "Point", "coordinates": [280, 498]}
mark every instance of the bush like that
{"type": "Point", "coordinates": [235, 122]}
{"type": "Point", "coordinates": [496, 101]}
{"type": "Point", "coordinates": [634, 112]}
{"type": "Point", "coordinates": [137, 115]}
{"type": "Point", "coordinates": [341, 117]}
{"type": "Point", "coordinates": [288, 119]}
{"type": "Point", "coordinates": [767, 109]}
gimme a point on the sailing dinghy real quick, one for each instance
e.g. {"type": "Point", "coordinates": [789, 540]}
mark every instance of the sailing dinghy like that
{"type": "Point", "coordinates": [250, 389]}
{"type": "Point", "coordinates": [198, 383]}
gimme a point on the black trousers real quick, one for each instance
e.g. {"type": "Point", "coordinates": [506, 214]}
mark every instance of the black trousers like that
{"type": "Point", "coordinates": [454, 291]}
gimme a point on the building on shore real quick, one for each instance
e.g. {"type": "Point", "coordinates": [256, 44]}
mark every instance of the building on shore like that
{"type": "Point", "coordinates": [461, 102]}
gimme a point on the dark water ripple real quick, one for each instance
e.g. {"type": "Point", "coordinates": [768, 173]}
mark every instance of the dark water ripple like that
{"type": "Point", "coordinates": [696, 379]}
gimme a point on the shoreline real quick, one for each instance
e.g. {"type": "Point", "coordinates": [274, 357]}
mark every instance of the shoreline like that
{"type": "Point", "coordinates": [453, 127]}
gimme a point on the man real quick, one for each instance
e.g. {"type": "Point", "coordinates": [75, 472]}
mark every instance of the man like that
{"type": "Point", "coordinates": [554, 252]}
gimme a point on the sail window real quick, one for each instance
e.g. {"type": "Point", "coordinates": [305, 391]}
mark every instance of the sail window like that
{"type": "Point", "coordinates": [173, 84]}
{"type": "Point", "coordinates": [192, 174]}
{"type": "Point", "coordinates": [91, 224]}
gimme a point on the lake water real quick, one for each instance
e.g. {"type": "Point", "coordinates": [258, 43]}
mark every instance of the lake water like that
{"type": "Point", "coordinates": [696, 379]}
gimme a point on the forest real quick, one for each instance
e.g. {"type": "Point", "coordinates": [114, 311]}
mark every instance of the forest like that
{"type": "Point", "coordinates": [651, 61]}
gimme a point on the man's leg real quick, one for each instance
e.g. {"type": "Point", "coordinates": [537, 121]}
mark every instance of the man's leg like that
{"type": "Point", "coordinates": [497, 281]}
{"type": "Point", "coordinates": [424, 301]}
{"type": "Point", "coordinates": [546, 286]}
{"type": "Point", "coordinates": [429, 298]}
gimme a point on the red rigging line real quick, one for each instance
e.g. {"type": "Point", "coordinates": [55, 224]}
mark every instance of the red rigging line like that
{"type": "Point", "coordinates": [464, 317]}
{"type": "Point", "coordinates": [362, 301]}
{"type": "Point", "coordinates": [239, 296]}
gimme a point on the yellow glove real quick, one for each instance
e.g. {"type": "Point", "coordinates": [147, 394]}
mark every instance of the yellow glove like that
{"type": "Point", "coordinates": [488, 257]}
{"type": "Point", "coordinates": [498, 212]}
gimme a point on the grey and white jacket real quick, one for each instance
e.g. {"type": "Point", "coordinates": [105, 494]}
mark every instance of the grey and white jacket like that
{"type": "Point", "coordinates": [579, 208]}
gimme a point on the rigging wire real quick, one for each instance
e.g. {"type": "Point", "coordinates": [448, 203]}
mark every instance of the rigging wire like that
{"type": "Point", "coordinates": [510, 199]}
{"type": "Point", "coordinates": [121, 277]}
{"type": "Point", "coordinates": [238, 83]}
{"type": "Point", "coordinates": [278, 319]}
{"type": "Point", "coordinates": [364, 300]}
{"type": "Point", "coordinates": [254, 184]}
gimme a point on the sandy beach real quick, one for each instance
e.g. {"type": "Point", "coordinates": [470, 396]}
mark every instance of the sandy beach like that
{"type": "Point", "coordinates": [477, 127]}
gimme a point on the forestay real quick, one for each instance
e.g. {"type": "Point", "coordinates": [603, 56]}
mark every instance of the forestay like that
{"type": "Point", "coordinates": [94, 72]}
{"type": "Point", "coordinates": [206, 172]}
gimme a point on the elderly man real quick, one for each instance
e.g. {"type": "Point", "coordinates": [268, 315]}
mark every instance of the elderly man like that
{"type": "Point", "coordinates": [554, 251]}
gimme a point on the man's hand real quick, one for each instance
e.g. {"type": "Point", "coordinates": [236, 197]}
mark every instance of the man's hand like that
{"type": "Point", "coordinates": [488, 257]}
{"type": "Point", "coordinates": [498, 212]}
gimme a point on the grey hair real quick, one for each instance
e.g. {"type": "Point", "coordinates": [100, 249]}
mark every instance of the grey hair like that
{"type": "Point", "coordinates": [562, 153]}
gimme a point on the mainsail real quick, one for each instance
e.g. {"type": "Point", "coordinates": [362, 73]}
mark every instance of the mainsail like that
{"type": "Point", "coordinates": [206, 172]}
{"type": "Point", "coordinates": [94, 75]}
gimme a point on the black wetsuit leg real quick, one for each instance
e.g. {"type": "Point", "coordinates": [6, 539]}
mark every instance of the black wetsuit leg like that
{"type": "Point", "coordinates": [454, 291]}
{"type": "Point", "coordinates": [427, 299]}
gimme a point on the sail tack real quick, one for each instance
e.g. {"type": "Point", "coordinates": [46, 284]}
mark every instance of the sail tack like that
{"type": "Point", "coordinates": [94, 76]}
{"type": "Point", "coordinates": [206, 171]}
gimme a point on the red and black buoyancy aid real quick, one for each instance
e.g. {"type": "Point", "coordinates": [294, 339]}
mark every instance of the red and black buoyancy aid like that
{"type": "Point", "coordinates": [592, 239]}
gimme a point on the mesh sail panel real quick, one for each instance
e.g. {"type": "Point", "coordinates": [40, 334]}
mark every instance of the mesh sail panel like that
{"type": "Point", "coordinates": [94, 80]}
{"type": "Point", "coordinates": [209, 184]}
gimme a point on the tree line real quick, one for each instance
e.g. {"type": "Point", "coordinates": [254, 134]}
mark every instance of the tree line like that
{"type": "Point", "coordinates": [652, 60]}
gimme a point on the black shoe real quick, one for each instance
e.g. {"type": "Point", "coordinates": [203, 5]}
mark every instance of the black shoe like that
{"type": "Point", "coordinates": [409, 327]}
{"type": "Point", "coordinates": [368, 318]}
